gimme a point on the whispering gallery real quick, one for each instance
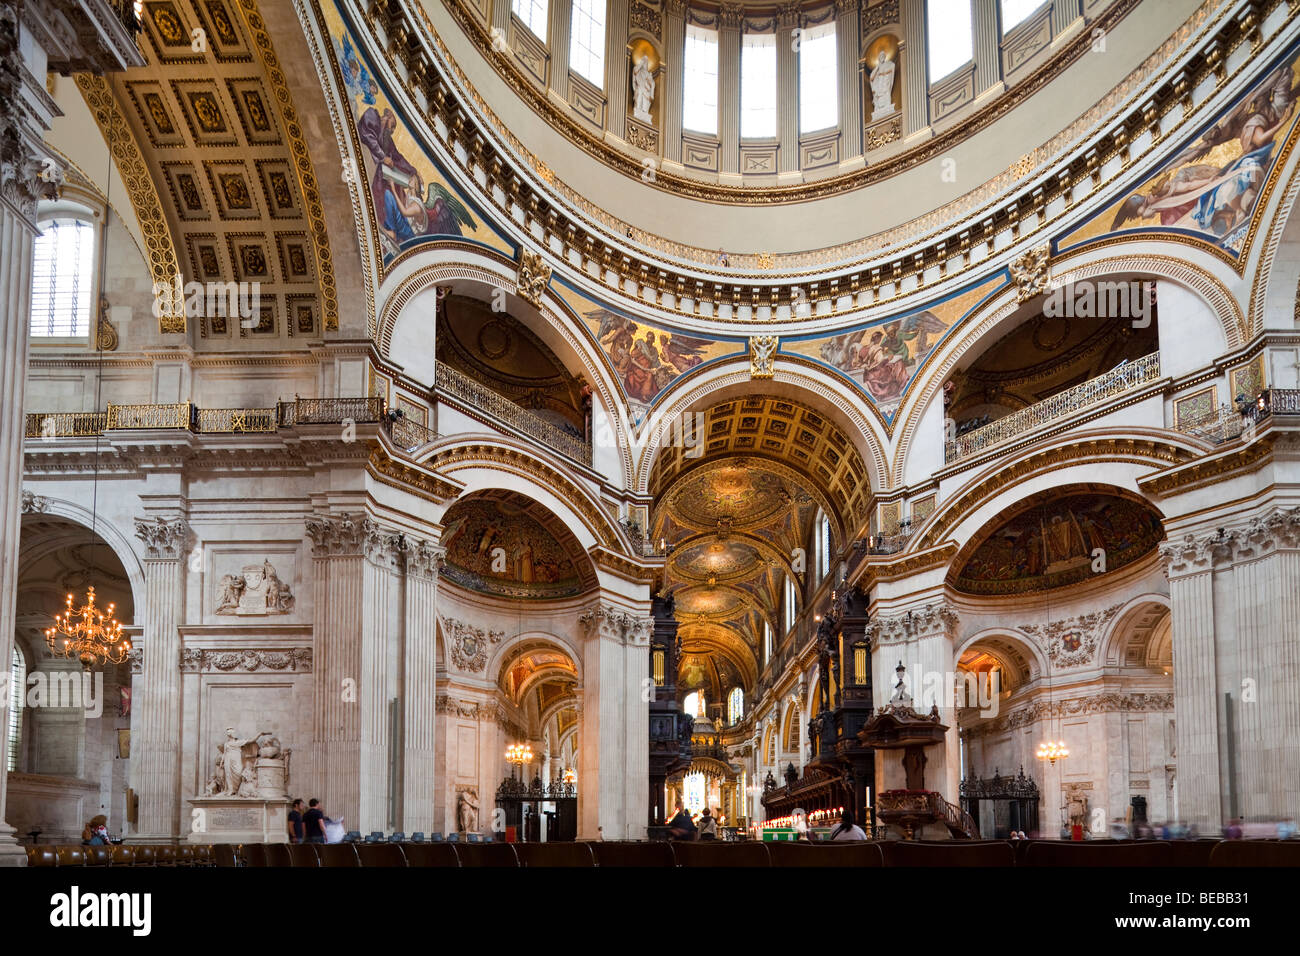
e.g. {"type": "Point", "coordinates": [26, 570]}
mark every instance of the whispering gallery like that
{"type": "Point", "coordinates": [649, 432]}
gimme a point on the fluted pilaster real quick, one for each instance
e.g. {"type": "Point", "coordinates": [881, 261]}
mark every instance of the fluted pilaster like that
{"type": "Point", "coordinates": [383, 604]}
{"type": "Point", "coordinates": [787, 89]}
{"type": "Point", "coordinates": [419, 686]}
{"type": "Point", "coordinates": [916, 88]}
{"type": "Point", "coordinates": [674, 53]}
{"type": "Point", "coordinates": [729, 88]}
{"type": "Point", "coordinates": [1064, 13]}
{"type": "Point", "coordinates": [557, 41]}
{"type": "Point", "coordinates": [157, 721]}
{"type": "Point", "coordinates": [988, 42]}
{"type": "Point", "coordinates": [848, 50]}
{"type": "Point", "coordinates": [616, 67]}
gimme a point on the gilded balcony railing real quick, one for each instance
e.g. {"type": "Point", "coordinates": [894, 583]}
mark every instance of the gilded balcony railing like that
{"type": "Point", "coordinates": [179, 415]}
{"type": "Point", "coordinates": [410, 435]}
{"type": "Point", "coordinates": [232, 420]}
{"type": "Point", "coordinates": [484, 399]}
{"type": "Point", "coordinates": [64, 424]}
{"type": "Point", "coordinates": [330, 411]}
{"type": "Point", "coordinates": [1096, 391]}
{"type": "Point", "coordinates": [1221, 424]}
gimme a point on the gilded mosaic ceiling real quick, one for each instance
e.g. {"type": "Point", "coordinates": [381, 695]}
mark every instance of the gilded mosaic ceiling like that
{"type": "Point", "coordinates": [502, 543]}
{"type": "Point", "coordinates": [213, 119]}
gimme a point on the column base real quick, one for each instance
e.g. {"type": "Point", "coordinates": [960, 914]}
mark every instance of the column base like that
{"type": "Point", "coordinates": [11, 852]}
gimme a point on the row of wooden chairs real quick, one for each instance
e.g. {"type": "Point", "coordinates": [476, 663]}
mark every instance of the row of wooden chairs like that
{"type": "Point", "coordinates": [121, 855]}
{"type": "Point", "coordinates": [953, 853]}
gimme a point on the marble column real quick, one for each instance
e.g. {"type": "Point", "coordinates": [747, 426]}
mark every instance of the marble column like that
{"type": "Point", "coordinates": [616, 68]}
{"type": "Point", "coordinates": [916, 84]}
{"type": "Point", "coordinates": [729, 88]}
{"type": "Point", "coordinates": [21, 186]}
{"type": "Point", "coordinates": [674, 52]}
{"type": "Point", "coordinates": [614, 729]}
{"type": "Point", "coordinates": [848, 49]}
{"type": "Point", "coordinates": [423, 562]}
{"type": "Point", "coordinates": [787, 90]}
{"type": "Point", "coordinates": [332, 767]}
{"type": "Point", "coordinates": [557, 41]}
{"type": "Point", "coordinates": [985, 24]}
{"type": "Point", "coordinates": [156, 727]}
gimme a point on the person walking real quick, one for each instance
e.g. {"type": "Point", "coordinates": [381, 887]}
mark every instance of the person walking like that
{"type": "Point", "coordinates": [681, 826]}
{"type": "Point", "coordinates": [847, 829]}
{"type": "Point", "coordinates": [314, 821]}
{"type": "Point", "coordinates": [297, 832]}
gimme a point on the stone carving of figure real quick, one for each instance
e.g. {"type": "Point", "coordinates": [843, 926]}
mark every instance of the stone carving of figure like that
{"type": "Point", "coordinates": [218, 774]}
{"type": "Point", "coordinates": [882, 86]}
{"type": "Point", "coordinates": [467, 811]}
{"type": "Point", "coordinates": [643, 89]}
{"type": "Point", "coordinates": [235, 769]}
{"type": "Point", "coordinates": [232, 588]}
{"type": "Point", "coordinates": [273, 587]}
{"type": "Point", "coordinates": [1078, 809]}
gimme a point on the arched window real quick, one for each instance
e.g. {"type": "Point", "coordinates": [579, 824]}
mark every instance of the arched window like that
{"type": "Point", "coordinates": [948, 36]}
{"type": "Point", "coordinates": [14, 725]}
{"type": "Point", "coordinates": [735, 706]}
{"type": "Point", "coordinates": [767, 641]}
{"type": "Point", "coordinates": [823, 545]}
{"type": "Point", "coordinates": [693, 791]}
{"type": "Point", "coordinates": [700, 81]}
{"type": "Point", "coordinates": [694, 703]}
{"type": "Point", "coordinates": [818, 87]}
{"type": "Point", "coordinates": [788, 608]}
{"type": "Point", "coordinates": [1018, 11]}
{"type": "Point", "coordinates": [587, 41]}
{"type": "Point", "coordinates": [758, 86]}
{"type": "Point", "coordinates": [533, 15]}
{"type": "Point", "coordinates": [63, 278]}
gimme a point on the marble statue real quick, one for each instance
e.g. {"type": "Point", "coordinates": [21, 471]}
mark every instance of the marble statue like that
{"type": "Point", "coordinates": [882, 86]}
{"type": "Point", "coordinates": [239, 760]}
{"type": "Point", "coordinates": [467, 811]}
{"type": "Point", "coordinates": [643, 89]}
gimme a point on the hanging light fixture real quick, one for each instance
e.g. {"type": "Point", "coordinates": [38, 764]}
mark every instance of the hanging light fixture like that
{"type": "Point", "coordinates": [92, 636]}
{"type": "Point", "coordinates": [1050, 750]}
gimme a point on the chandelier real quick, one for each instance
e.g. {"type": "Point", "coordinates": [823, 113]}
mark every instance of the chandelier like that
{"type": "Point", "coordinates": [1052, 751]}
{"type": "Point", "coordinates": [570, 777]}
{"type": "Point", "coordinates": [92, 636]}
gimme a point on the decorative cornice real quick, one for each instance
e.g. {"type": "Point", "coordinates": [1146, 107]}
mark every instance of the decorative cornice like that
{"type": "Point", "coordinates": [929, 620]}
{"type": "Point", "coordinates": [164, 540]}
{"type": "Point", "coordinates": [1274, 530]}
{"type": "Point", "coordinates": [469, 644]}
{"type": "Point", "coordinates": [24, 178]}
{"type": "Point", "coordinates": [1106, 703]}
{"type": "Point", "coordinates": [1212, 469]}
{"type": "Point", "coordinates": [296, 659]}
{"type": "Point", "coordinates": [333, 535]}
{"type": "Point", "coordinates": [410, 477]}
{"type": "Point", "coordinates": [610, 623]}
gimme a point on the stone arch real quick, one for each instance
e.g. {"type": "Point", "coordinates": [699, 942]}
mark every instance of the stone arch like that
{"type": "Point", "coordinates": [1276, 283]}
{"type": "Point", "coordinates": [1010, 645]}
{"type": "Point", "coordinates": [412, 287]}
{"type": "Point", "coordinates": [1135, 615]}
{"type": "Point", "coordinates": [511, 649]}
{"type": "Point", "coordinates": [107, 531]}
{"type": "Point", "coordinates": [1198, 271]}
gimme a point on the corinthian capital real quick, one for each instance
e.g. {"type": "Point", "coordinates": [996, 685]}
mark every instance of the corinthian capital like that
{"type": "Point", "coordinates": [928, 620]}
{"type": "Point", "coordinates": [382, 545]}
{"type": "Point", "coordinates": [164, 539]}
{"type": "Point", "coordinates": [423, 559]}
{"type": "Point", "coordinates": [335, 534]}
{"type": "Point", "coordinates": [614, 624]}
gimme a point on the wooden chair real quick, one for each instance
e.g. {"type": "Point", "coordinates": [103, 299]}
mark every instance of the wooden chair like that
{"type": "Point", "coordinates": [381, 854]}
{"type": "Point", "coordinates": [1098, 853]}
{"type": "Point", "coordinates": [166, 856]}
{"type": "Point", "coordinates": [487, 854]}
{"type": "Point", "coordinates": [301, 854]}
{"type": "Point", "coordinates": [1256, 853]}
{"type": "Point", "coordinates": [428, 854]}
{"type": "Point", "coordinates": [71, 855]}
{"type": "Point", "coordinates": [277, 854]}
{"type": "Point", "coordinates": [99, 855]}
{"type": "Point", "coordinates": [146, 855]}
{"type": "Point", "coordinates": [1191, 853]}
{"type": "Point", "coordinates": [42, 856]}
{"type": "Point", "coordinates": [185, 855]}
{"type": "Point", "coordinates": [124, 856]}
{"type": "Point", "coordinates": [831, 854]}
{"type": "Point", "coordinates": [555, 854]}
{"type": "Point", "coordinates": [336, 856]}
{"type": "Point", "coordinates": [226, 854]}
{"type": "Point", "coordinates": [958, 853]}
{"type": "Point", "coordinates": [621, 853]}
{"type": "Point", "coordinates": [253, 854]}
{"type": "Point", "coordinates": [692, 853]}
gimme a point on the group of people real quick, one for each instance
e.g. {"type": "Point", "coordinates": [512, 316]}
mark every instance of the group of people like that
{"type": "Point", "coordinates": [310, 826]}
{"type": "Point", "coordinates": [685, 827]}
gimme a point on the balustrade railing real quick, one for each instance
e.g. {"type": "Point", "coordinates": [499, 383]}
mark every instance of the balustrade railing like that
{"type": "Point", "coordinates": [1096, 391]}
{"type": "Point", "coordinates": [330, 411]}
{"type": "Point", "coordinates": [233, 420]}
{"type": "Point", "coordinates": [458, 385]}
{"type": "Point", "coordinates": [410, 435]}
{"type": "Point", "coordinates": [177, 415]}
{"type": "Point", "coordinates": [64, 424]}
{"type": "Point", "coordinates": [1221, 424]}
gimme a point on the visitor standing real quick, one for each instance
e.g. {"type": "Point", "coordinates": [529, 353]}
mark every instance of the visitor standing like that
{"type": "Point", "coordinates": [708, 825]}
{"type": "Point", "coordinates": [314, 821]}
{"type": "Point", "coordinates": [296, 829]}
{"type": "Point", "coordinates": [681, 826]}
